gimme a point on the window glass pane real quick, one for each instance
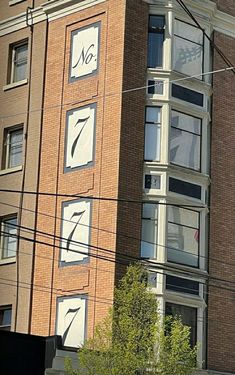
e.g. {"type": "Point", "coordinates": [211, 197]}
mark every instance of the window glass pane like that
{"type": "Point", "coordinates": [181, 285]}
{"type": "Point", "coordinates": [188, 57]}
{"type": "Point", "coordinates": [15, 148]}
{"type": "Point", "coordinates": [189, 32]}
{"type": "Point", "coordinates": [20, 62]}
{"type": "Point", "coordinates": [185, 149]}
{"type": "Point", "coordinates": [152, 142]}
{"type": "Point", "coordinates": [153, 114]}
{"type": "Point", "coordinates": [183, 236]}
{"type": "Point", "coordinates": [156, 23]}
{"type": "Point", "coordinates": [184, 188]}
{"type": "Point", "coordinates": [149, 230]}
{"type": "Point", "coordinates": [155, 50]}
{"type": "Point", "coordinates": [187, 95]}
{"type": "Point", "coordinates": [188, 316]}
{"type": "Point", "coordinates": [186, 122]}
{"type": "Point", "coordinates": [9, 240]}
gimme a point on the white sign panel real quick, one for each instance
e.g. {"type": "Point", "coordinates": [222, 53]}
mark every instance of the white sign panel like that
{"type": "Point", "coordinates": [80, 133]}
{"type": "Point", "coordinates": [75, 231]}
{"type": "Point", "coordinates": [85, 51]}
{"type": "Point", "coordinates": [71, 320]}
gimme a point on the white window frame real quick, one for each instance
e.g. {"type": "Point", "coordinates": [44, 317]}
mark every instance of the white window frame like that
{"type": "Point", "coordinates": [3, 223]}
{"type": "Point", "coordinates": [13, 49]}
{"type": "Point", "coordinates": [7, 147]}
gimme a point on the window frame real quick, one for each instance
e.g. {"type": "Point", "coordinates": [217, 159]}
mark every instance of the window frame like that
{"type": "Point", "coordinates": [3, 221]}
{"type": "Point", "coordinates": [198, 266]}
{"type": "Point", "coordinates": [159, 126]}
{"type": "Point", "coordinates": [183, 130]}
{"type": "Point", "coordinates": [4, 327]}
{"type": "Point", "coordinates": [163, 31]}
{"type": "Point", "coordinates": [6, 156]}
{"type": "Point", "coordinates": [156, 230]}
{"type": "Point", "coordinates": [12, 53]}
{"type": "Point", "coordinates": [202, 78]}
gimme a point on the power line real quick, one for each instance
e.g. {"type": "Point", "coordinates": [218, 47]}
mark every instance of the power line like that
{"type": "Point", "coordinates": [115, 233]}
{"type": "Point", "coordinates": [118, 92]}
{"type": "Point", "coordinates": [90, 197]}
{"type": "Point", "coordinates": [151, 264]}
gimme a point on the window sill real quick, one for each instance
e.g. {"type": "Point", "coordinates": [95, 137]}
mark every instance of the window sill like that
{"type": "Point", "coordinates": [13, 2]}
{"type": "Point", "coordinates": [11, 170]}
{"type": "Point", "coordinates": [15, 84]}
{"type": "Point", "coordinates": [7, 261]}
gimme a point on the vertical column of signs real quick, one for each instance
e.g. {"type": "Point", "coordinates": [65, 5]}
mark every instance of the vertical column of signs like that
{"type": "Point", "coordinates": [71, 320]}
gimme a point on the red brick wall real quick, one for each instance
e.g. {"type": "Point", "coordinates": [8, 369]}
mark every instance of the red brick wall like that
{"type": "Point", "coordinates": [97, 277]}
{"type": "Point", "coordinates": [221, 309]}
{"type": "Point", "coordinates": [227, 6]}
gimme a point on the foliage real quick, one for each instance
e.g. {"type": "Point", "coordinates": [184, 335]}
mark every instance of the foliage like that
{"type": "Point", "coordinates": [132, 339]}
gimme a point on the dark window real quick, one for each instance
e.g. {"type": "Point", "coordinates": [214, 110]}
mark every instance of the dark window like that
{"type": "Point", "coordinates": [187, 95]}
{"type": "Point", "coordinates": [155, 41]}
{"type": "Point", "coordinates": [184, 188]}
{"type": "Point", "coordinates": [188, 316]}
{"type": "Point", "coordinates": [153, 182]}
{"type": "Point", "coordinates": [5, 318]}
{"type": "Point", "coordinates": [178, 284]}
{"type": "Point", "coordinates": [155, 87]}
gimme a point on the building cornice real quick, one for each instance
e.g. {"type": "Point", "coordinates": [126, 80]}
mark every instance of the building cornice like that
{"type": "Point", "coordinates": [205, 10]}
{"type": "Point", "coordinates": [48, 11]}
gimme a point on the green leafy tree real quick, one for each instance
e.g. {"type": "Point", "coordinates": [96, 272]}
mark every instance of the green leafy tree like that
{"type": "Point", "coordinates": [133, 339]}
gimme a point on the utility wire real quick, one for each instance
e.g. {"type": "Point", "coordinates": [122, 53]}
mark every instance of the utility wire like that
{"type": "Point", "coordinates": [151, 264]}
{"type": "Point", "coordinates": [90, 197]}
{"type": "Point", "coordinates": [118, 92]}
{"type": "Point", "coordinates": [116, 234]}
{"type": "Point", "coordinates": [212, 43]}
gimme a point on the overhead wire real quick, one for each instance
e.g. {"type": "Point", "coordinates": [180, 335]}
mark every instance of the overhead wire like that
{"type": "Point", "coordinates": [119, 234]}
{"type": "Point", "coordinates": [96, 97]}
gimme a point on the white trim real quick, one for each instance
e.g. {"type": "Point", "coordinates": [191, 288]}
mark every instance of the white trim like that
{"type": "Point", "coordinates": [13, 2]}
{"type": "Point", "coordinates": [60, 8]}
{"type": "Point", "coordinates": [11, 170]}
{"type": "Point", "coordinates": [15, 84]}
{"type": "Point", "coordinates": [7, 261]}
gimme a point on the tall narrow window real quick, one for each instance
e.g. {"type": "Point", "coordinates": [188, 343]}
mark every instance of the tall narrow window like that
{"type": "Point", "coordinates": [149, 230]}
{"type": "Point", "coordinates": [19, 58]}
{"type": "Point", "coordinates": [188, 49]}
{"type": "Point", "coordinates": [185, 140]}
{"type": "Point", "coordinates": [8, 238]}
{"type": "Point", "coordinates": [183, 236]}
{"type": "Point", "coordinates": [13, 148]}
{"type": "Point", "coordinates": [155, 41]}
{"type": "Point", "coordinates": [152, 134]}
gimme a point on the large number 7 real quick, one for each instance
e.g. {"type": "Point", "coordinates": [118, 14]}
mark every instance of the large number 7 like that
{"type": "Point", "coordinates": [70, 237]}
{"type": "Point", "coordinates": [74, 145]}
{"type": "Point", "coordinates": [70, 311]}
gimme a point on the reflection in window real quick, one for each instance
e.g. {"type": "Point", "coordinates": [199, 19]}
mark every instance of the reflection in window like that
{"type": "Point", "coordinates": [183, 236]}
{"type": "Point", "coordinates": [152, 133]}
{"type": "Point", "coordinates": [188, 49]}
{"type": "Point", "coordinates": [188, 316]}
{"type": "Point", "coordinates": [185, 140]}
{"type": "Point", "coordinates": [155, 41]}
{"type": "Point", "coordinates": [8, 238]}
{"type": "Point", "coordinates": [149, 230]}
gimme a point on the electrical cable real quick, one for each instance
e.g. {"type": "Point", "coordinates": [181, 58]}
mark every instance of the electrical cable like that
{"type": "Point", "coordinates": [151, 264]}
{"type": "Point", "coordinates": [212, 43]}
{"type": "Point", "coordinates": [118, 93]}
{"type": "Point", "coordinates": [119, 234]}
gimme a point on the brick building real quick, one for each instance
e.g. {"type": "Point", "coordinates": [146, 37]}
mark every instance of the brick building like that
{"type": "Point", "coordinates": [121, 154]}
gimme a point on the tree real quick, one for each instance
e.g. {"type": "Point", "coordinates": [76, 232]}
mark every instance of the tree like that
{"type": "Point", "coordinates": [133, 339]}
